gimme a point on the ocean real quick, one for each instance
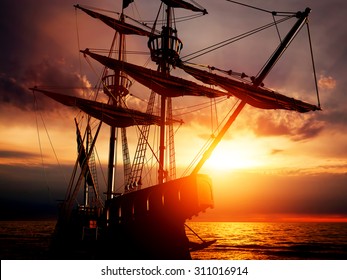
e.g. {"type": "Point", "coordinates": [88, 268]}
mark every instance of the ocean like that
{"type": "Point", "coordinates": [273, 241]}
{"type": "Point", "coordinates": [29, 240]}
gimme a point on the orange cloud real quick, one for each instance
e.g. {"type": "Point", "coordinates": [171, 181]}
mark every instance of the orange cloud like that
{"type": "Point", "coordinates": [326, 82]}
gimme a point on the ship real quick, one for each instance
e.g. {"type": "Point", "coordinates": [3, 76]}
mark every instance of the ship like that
{"type": "Point", "coordinates": [136, 217]}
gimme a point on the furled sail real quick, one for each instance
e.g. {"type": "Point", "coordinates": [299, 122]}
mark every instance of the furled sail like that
{"type": "Point", "coordinates": [82, 155]}
{"type": "Point", "coordinates": [184, 5]}
{"type": "Point", "coordinates": [173, 86]}
{"type": "Point", "coordinates": [120, 26]}
{"type": "Point", "coordinates": [169, 86]}
{"type": "Point", "coordinates": [259, 97]}
{"type": "Point", "coordinates": [111, 115]}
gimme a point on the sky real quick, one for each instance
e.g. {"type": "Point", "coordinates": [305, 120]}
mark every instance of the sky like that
{"type": "Point", "coordinates": [270, 166]}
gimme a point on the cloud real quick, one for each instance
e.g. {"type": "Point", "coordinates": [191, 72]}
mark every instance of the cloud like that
{"type": "Point", "coordinates": [276, 151]}
{"type": "Point", "coordinates": [327, 82]}
{"type": "Point", "coordinates": [35, 52]}
{"type": "Point", "coordinates": [14, 93]}
{"type": "Point", "coordinates": [10, 154]}
{"type": "Point", "coordinates": [334, 118]}
{"type": "Point", "coordinates": [266, 126]}
{"type": "Point", "coordinates": [30, 192]}
{"type": "Point", "coordinates": [54, 74]}
{"type": "Point", "coordinates": [308, 130]}
{"type": "Point", "coordinates": [287, 124]}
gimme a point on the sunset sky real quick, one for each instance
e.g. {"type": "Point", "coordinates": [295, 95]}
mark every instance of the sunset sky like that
{"type": "Point", "coordinates": [271, 165]}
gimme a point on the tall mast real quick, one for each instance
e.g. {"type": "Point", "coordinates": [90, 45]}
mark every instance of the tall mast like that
{"type": "Point", "coordinates": [164, 68]}
{"type": "Point", "coordinates": [115, 100]}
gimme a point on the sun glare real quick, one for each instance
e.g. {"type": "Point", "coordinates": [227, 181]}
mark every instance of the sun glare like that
{"type": "Point", "coordinates": [238, 157]}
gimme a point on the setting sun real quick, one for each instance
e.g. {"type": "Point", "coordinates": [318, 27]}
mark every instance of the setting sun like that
{"type": "Point", "coordinates": [237, 154]}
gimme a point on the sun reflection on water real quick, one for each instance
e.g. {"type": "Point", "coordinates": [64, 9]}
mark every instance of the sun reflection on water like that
{"type": "Point", "coordinates": [261, 241]}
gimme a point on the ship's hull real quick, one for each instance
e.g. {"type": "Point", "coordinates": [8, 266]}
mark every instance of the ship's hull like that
{"type": "Point", "coordinates": [144, 224]}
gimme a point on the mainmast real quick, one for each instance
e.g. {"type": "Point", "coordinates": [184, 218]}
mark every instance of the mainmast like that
{"type": "Point", "coordinates": [164, 68]}
{"type": "Point", "coordinates": [165, 49]}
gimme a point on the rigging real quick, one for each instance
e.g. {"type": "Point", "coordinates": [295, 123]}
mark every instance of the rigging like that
{"type": "Point", "coordinates": [231, 40]}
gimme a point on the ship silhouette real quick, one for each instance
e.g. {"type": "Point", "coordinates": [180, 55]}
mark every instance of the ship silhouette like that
{"type": "Point", "coordinates": [138, 219]}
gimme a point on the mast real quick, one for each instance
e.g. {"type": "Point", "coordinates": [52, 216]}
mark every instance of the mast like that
{"type": "Point", "coordinates": [86, 189]}
{"type": "Point", "coordinates": [164, 69]}
{"type": "Point", "coordinates": [165, 49]}
{"type": "Point", "coordinates": [115, 99]}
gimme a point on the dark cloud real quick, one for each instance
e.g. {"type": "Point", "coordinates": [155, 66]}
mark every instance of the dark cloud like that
{"type": "Point", "coordinates": [28, 189]}
{"type": "Point", "coordinates": [334, 105]}
{"type": "Point", "coordinates": [9, 154]}
{"type": "Point", "coordinates": [39, 184]}
{"type": "Point", "coordinates": [53, 75]}
{"type": "Point", "coordinates": [13, 92]}
{"type": "Point", "coordinates": [287, 124]}
{"type": "Point", "coordinates": [308, 130]}
{"type": "Point", "coordinates": [34, 53]}
{"type": "Point", "coordinates": [21, 30]}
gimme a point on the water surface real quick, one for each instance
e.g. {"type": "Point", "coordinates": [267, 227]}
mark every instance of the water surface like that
{"type": "Point", "coordinates": [272, 241]}
{"type": "Point", "coordinates": [237, 241]}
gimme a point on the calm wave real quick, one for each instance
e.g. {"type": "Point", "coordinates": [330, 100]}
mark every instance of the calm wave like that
{"type": "Point", "coordinates": [238, 241]}
{"type": "Point", "coordinates": [27, 240]}
{"type": "Point", "coordinates": [272, 241]}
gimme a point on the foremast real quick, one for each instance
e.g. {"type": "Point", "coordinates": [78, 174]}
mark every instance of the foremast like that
{"type": "Point", "coordinates": [117, 89]}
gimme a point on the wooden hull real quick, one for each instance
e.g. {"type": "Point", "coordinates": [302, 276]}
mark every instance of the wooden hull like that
{"type": "Point", "coordinates": [144, 224]}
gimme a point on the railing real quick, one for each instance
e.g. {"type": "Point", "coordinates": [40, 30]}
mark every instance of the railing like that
{"type": "Point", "coordinates": [114, 83]}
{"type": "Point", "coordinates": [165, 47]}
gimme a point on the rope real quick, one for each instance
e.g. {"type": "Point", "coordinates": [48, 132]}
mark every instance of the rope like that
{"type": "Point", "coordinates": [40, 145]}
{"type": "Point", "coordinates": [260, 9]}
{"type": "Point", "coordinates": [287, 15]}
{"type": "Point", "coordinates": [198, 107]}
{"type": "Point", "coordinates": [100, 164]}
{"type": "Point", "coordinates": [249, 6]}
{"type": "Point", "coordinates": [232, 40]}
{"type": "Point", "coordinates": [313, 64]}
{"type": "Point", "coordinates": [78, 40]}
{"type": "Point", "coordinates": [206, 145]}
{"type": "Point", "coordinates": [51, 144]}
{"type": "Point", "coordinates": [194, 233]}
{"type": "Point", "coordinates": [278, 32]}
{"type": "Point", "coordinates": [292, 39]}
{"type": "Point", "coordinates": [197, 5]}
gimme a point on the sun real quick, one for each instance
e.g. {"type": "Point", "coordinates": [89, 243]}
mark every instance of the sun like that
{"type": "Point", "coordinates": [233, 156]}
